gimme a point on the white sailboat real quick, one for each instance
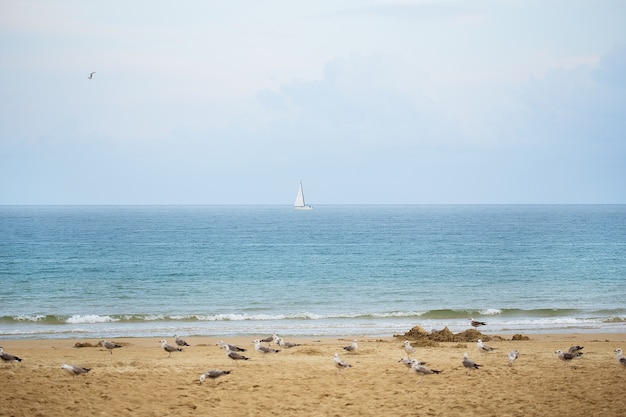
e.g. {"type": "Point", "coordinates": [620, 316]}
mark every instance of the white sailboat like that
{"type": "Point", "coordinates": [299, 204]}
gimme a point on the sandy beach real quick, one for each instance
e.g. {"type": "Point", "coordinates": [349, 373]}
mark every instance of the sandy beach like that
{"type": "Point", "coordinates": [140, 379]}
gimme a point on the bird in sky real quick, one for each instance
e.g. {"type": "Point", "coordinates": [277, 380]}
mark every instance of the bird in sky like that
{"type": "Point", "coordinates": [91, 75]}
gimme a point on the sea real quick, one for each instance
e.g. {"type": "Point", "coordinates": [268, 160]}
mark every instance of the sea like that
{"type": "Point", "coordinates": [91, 272]}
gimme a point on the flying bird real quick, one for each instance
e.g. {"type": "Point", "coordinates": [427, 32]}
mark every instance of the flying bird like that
{"type": "Point", "coordinates": [91, 75]}
{"type": "Point", "coordinates": [75, 370]}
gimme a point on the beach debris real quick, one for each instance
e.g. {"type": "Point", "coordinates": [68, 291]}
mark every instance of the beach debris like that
{"type": "Point", "coordinates": [7, 357]}
{"type": "Point", "coordinates": [476, 323]}
{"type": "Point", "coordinates": [109, 345]}
{"type": "Point", "coordinates": [469, 364]}
{"type": "Point", "coordinates": [567, 356]}
{"type": "Point", "coordinates": [212, 374]}
{"type": "Point", "coordinates": [340, 364]}
{"type": "Point", "coordinates": [232, 348]}
{"type": "Point", "coordinates": [169, 348]}
{"type": "Point", "coordinates": [513, 355]}
{"type": "Point", "coordinates": [351, 348]}
{"type": "Point", "coordinates": [621, 359]}
{"type": "Point", "coordinates": [483, 347]}
{"type": "Point", "coordinates": [180, 342]}
{"type": "Point", "coordinates": [75, 370]}
{"type": "Point", "coordinates": [422, 370]}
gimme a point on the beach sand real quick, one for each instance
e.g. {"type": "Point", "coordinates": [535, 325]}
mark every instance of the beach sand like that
{"type": "Point", "coordinates": [140, 380]}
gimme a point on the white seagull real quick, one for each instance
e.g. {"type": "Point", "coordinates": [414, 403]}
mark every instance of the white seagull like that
{"type": "Point", "coordinates": [408, 348]}
{"type": "Point", "coordinates": [476, 323]}
{"type": "Point", "coordinates": [513, 355]}
{"type": "Point", "coordinates": [567, 356]}
{"type": "Point", "coordinates": [169, 348]}
{"type": "Point", "coordinates": [422, 370]}
{"type": "Point", "coordinates": [469, 364]}
{"type": "Point", "coordinates": [212, 374]}
{"type": "Point", "coordinates": [7, 357]}
{"type": "Point", "coordinates": [351, 348]}
{"type": "Point", "coordinates": [180, 342]}
{"type": "Point", "coordinates": [483, 347]}
{"type": "Point", "coordinates": [621, 359]}
{"type": "Point", "coordinates": [234, 355]}
{"type": "Point", "coordinates": [232, 348]}
{"type": "Point", "coordinates": [262, 349]}
{"type": "Point", "coordinates": [287, 345]}
{"type": "Point", "coordinates": [75, 370]}
{"type": "Point", "coordinates": [340, 364]}
{"type": "Point", "coordinates": [109, 345]}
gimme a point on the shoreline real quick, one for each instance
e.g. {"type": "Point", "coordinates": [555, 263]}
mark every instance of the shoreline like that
{"type": "Point", "coordinates": [140, 379]}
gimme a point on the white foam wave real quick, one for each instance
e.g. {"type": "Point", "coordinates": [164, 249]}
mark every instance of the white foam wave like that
{"type": "Point", "coordinates": [89, 318]}
{"type": "Point", "coordinates": [25, 317]}
{"type": "Point", "coordinates": [490, 312]}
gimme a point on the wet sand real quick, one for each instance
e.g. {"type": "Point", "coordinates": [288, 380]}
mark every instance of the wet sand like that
{"type": "Point", "coordinates": [140, 379]}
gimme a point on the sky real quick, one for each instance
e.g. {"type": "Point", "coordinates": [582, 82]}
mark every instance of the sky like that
{"type": "Point", "coordinates": [364, 101]}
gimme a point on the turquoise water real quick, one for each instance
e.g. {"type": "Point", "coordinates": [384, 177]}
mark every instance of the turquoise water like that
{"type": "Point", "coordinates": [112, 271]}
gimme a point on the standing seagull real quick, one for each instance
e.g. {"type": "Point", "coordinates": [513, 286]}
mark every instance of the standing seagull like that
{"type": "Point", "coordinates": [75, 370]}
{"type": "Point", "coordinates": [567, 356]}
{"type": "Point", "coordinates": [7, 357]}
{"type": "Point", "coordinates": [109, 345]}
{"type": "Point", "coordinates": [262, 349]}
{"type": "Point", "coordinates": [91, 75]}
{"type": "Point", "coordinates": [408, 348]}
{"type": "Point", "coordinates": [483, 347]}
{"type": "Point", "coordinates": [181, 342]}
{"type": "Point", "coordinates": [513, 355]}
{"type": "Point", "coordinates": [621, 359]}
{"type": "Point", "coordinates": [339, 364]}
{"type": "Point", "coordinates": [212, 374]}
{"type": "Point", "coordinates": [351, 348]}
{"type": "Point", "coordinates": [469, 364]}
{"type": "Point", "coordinates": [169, 348]}
{"type": "Point", "coordinates": [234, 355]}
{"type": "Point", "coordinates": [422, 370]}
{"type": "Point", "coordinates": [476, 323]}
{"type": "Point", "coordinates": [232, 348]}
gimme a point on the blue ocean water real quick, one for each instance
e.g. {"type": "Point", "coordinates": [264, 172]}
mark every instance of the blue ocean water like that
{"type": "Point", "coordinates": [112, 271]}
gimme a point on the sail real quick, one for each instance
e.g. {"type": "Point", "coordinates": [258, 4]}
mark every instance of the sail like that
{"type": "Point", "coordinates": [299, 203]}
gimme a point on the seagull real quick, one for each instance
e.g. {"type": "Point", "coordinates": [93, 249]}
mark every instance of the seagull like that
{"type": "Point", "coordinates": [422, 370]}
{"type": "Point", "coordinates": [263, 349]}
{"type": "Point", "coordinates": [408, 348]}
{"type": "Point", "coordinates": [469, 364]}
{"type": "Point", "coordinates": [575, 349]}
{"type": "Point", "coordinates": [483, 347]}
{"type": "Point", "coordinates": [621, 359]}
{"type": "Point", "coordinates": [339, 364]}
{"type": "Point", "coordinates": [91, 75]}
{"type": "Point", "coordinates": [270, 339]}
{"type": "Point", "coordinates": [7, 357]}
{"type": "Point", "coordinates": [212, 374]}
{"type": "Point", "coordinates": [476, 323]}
{"type": "Point", "coordinates": [234, 355]}
{"type": "Point", "coordinates": [287, 345]}
{"type": "Point", "coordinates": [232, 348]}
{"type": "Point", "coordinates": [513, 355]}
{"type": "Point", "coordinates": [75, 370]}
{"type": "Point", "coordinates": [169, 348]}
{"type": "Point", "coordinates": [351, 348]}
{"type": "Point", "coordinates": [567, 356]}
{"type": "Point", "coordinates": [109, 345]}
{"type": "Point", "coordinates": [181, 342]}
{"type": "Point", "coordinates": [406, 362]}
